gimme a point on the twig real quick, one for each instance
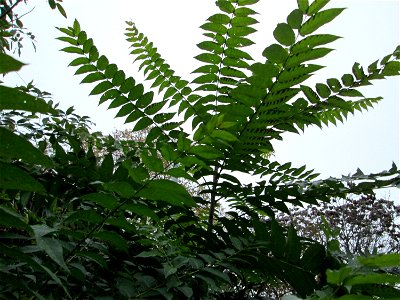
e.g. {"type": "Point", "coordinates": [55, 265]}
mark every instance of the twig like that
{"type": "Point", "coordinates": [9, 9]}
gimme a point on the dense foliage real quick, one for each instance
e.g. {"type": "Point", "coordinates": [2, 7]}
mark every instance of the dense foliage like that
{"type": "Point", "coordinates": [119, 225]}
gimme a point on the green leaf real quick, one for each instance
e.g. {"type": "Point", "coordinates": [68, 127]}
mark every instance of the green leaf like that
{"type": "Point", "coordinates": [303, 5]}
{"type": "Point", "coordinates": [209, 58]}
{"type": "Point", "coordinates": [316, 6]}
{"type": "Point", "coordinates": [275, 54]}
{"type": "Point", "coordinates": [68, 39]}
{"type": "Point", "coordinates": [373, 278]}
{"type": "Point", "coordinates": [243, 21]}
{"type": "Point", "coordinates": [277, 239]}
{"type": "Point", "coordinates": [244, 11]}
{"type": "Point", "coordinates": [293, 246]}
{"type": "Point", "coordinates": [88, 216]}
{"type": "Point", "coordinates": [98, 259]}
{"type": "Point", "coordinates": [82, 37]}
{"type": "Point", "coordinates": [118, 78]}
{"type": "Point", "coordinates": [122, 188]}
{"type": "Point", "coordinates": [87, 46]}
{"type": "Point", "coordinates": [110, 71]}
{"type": "Point", "coordinates": [136, 92]}
{"type": "Point", "coordinates": [54, 250]}
{"type": "Point", "coordinates": [213, 27]}
{"type": "Point", "coordinates": [152, 162]}
{"type": "Point", "coordinates": [380, 261]}
{"type": "Point", "coordinates": [9, 217]}
{"type": "Point", "coordinates": [350, 93]}
{"type": "Point", "coordinates": [313, 41]}
{"type": "Point", "coordinates": [77, 27]}
{"type": "Point", "coordinates": [101, 88]}
{"type": "Point", "coordinates": [108, 201]}
{"type": "Point", "coordinates": [61, 10]}
{"type": "Point", "coordinates": [141, 210]}
{"type": "Point", "coordinates": [92, 77]}
{"type": "Point", "coordinates": [169, 270]}
{"type": "Point", "coordinates": [318, 20]}
{"type": "Point", "coordinates": [13, 99]}
{"type": "Point", "coordinates": [9, 64]}
{"type": "Point", "coordinates": [102, 63]}
{"type": "Point", "coordinates": [93, 54]}
{"type": "Point", "coordinates": [225, 6]}
{"type": "Point", "coordinates": [72, 50]}
{"type": "Point", "coordinates": [114, 239]}
{"type": "Point", "coordinates": [223, 135]}
{"type": "Point", "coordinates": [16, 147]}
{"type": "Point", "coordinates": [247, 2]}
{"type": "Point", "coordinates": [313, 258]}
{"type": "Point", "coordinates": [145, 100]}
{"type": "Point", "coordinates": [312, 54]}
{"type": "Point", "coordinates": [187, 291]}
{"type": "Point", "coordinates": [206, 152]}
{"type": "Point", "coordinates": [310, 94]}
{"type": "Point", "coordinates": [219, 19]}
{"type": "Point", "coordinates": [14, 178]}
{"type": "Point", "coordinates": [391, 68]}
{"type": "Point", "coordinates": [79, 61]}
{"type": "Point", "coordinates": [348, 79]}
{"type": "Point", "coordinates": [334, 84]}
{"type": "Point", "coordinates": [143, 123]}
{"type": "Point", "coordinates": [85, 69]}
{"type": "Point", "coordinates": [168, 191]}
{"type": "Point", "coordinates": [323, 90]}
{"type": "Point", "coordinates": [284, 34]}
{"type": "Point", "coordinates": [218, 274]}
{"type": "Point", "coordinates": [295, 19]}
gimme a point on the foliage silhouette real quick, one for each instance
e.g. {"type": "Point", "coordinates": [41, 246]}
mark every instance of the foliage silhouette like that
{"type": "Point", "coordinates": [74, 225]}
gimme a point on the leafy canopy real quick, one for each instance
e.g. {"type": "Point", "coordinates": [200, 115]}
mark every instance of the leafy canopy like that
{"type": "Point", "coordinates": [75, 223]}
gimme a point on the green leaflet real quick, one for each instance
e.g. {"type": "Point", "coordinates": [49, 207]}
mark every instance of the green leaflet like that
{"type": "Point", "coordinates": [209, 58]}
{"type": "Point", "coordinates": [10, 218]}
{"type": "Point", "coordinates": [101, 88]}
{"type": "Point", "coordinates": [13, 146]}
{"type": "Point", "coordinates": [319, 19]}
{"type": "Point", "coordinates": [225, 6]}
{"type": "Point", "coordinates": [295, 19]}
{"type": "Point", "coordinates": [9, 64]}
{"type": "Point", "coordinates": [14, 178]}
{"type": "Point", "coordinates": [316, 6]}
{"type": "Point", "coordinates": [113, 239]}
{"type": "Point", "coordinates": [275, 54]}
{"type": "Point", "coordinates": [53, 248]}
{"type": "Point", "coordinates": [108, 201]}
{"type": "Point", "coordinates": [284, 34]}
{"type": "Point", "coordinates": [313, 41]}
{"type": "Point", "coordinates": [323, 90]}
{"type": "Point", "coordinates": [12, 99]}
{"type": "Point", "coordinates": [301, 57]}
{"type": "Point", "coordinates": [168, 191]}
{"type": "Point", "coordinates": [219, 19]}
{"type": "Point", "coordinates": [303, 5]}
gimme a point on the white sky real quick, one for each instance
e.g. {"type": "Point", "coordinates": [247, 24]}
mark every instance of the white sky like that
{"type": "Point", "coordinates": [370, 29]}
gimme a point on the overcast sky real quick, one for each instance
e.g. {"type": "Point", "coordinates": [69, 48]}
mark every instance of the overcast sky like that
{"type": "Point", "coordinates": [370, 30]}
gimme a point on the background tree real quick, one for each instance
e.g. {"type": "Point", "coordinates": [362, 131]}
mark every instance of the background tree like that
{"type": "Point", "coordinates": [361, 226]}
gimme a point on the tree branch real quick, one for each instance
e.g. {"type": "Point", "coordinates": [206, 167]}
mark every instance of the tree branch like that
{"type": "Point", "coordinates": [9, 9]}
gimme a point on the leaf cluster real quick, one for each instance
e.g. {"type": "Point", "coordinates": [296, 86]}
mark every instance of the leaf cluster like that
{"type": "Point", "coordinates": [87, 215]}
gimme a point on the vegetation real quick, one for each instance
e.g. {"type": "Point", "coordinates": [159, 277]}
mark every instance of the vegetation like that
{"type": "Point", "coordinates": [85, 216]}
{"type": "Point", "coordinates": [361, 226]}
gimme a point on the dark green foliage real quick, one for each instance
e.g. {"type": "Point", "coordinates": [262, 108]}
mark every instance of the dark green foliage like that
{"type": "Point", "coordinates": [99, 217]}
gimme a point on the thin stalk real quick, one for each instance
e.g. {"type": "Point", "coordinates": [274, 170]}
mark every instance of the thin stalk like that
{"type": "Point", "coordinates": [213, 200]}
